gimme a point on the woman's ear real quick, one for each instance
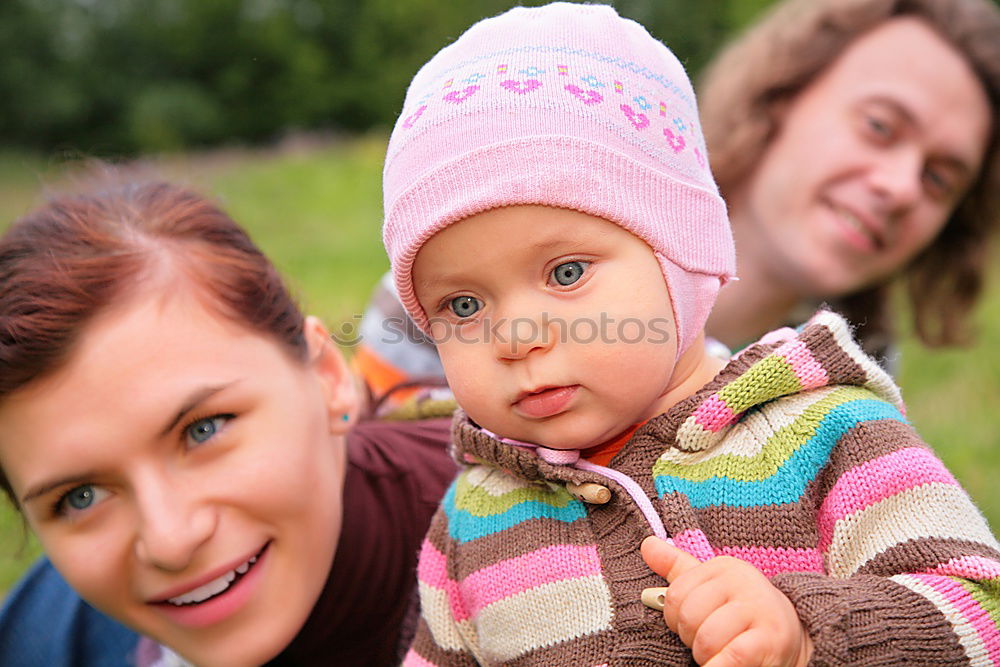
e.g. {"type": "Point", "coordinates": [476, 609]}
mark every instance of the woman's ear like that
{"type": "Point", "coordinates": [342, 400]}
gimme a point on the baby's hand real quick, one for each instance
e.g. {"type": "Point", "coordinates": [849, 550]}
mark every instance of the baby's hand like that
{"type": "Point", "coordinates": [725, 610]}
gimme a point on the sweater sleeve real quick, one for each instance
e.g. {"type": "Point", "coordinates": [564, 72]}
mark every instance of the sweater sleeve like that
{"type": "Point", "coordinates": [912, 569]}
{"type": "Point", "coordinates": [444, 635]}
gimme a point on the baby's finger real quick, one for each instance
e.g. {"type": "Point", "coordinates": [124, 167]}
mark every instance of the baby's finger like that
{"type": "Point", "coordinates": [688, 616]}
{"type": "Point", "coordinates": [718, 630]}
{"type": "Point", "coordinates": [665, 559]}
{"type": "Point", "coordinates": [747, 649]}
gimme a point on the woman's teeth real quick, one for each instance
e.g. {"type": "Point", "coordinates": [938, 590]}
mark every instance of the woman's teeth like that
{"type": "Point", "coordinates": [214, 587]}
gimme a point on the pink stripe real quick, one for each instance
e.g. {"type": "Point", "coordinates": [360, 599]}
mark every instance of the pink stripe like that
{"type": "Point", "coordinates": [696, 543]}
{"type": "Point", "coordinates": [876, 480]}
{"type": "Point", "coordinates": [516, 575]}
{"type": "Point", "coordinates": [970, 610]}
{"type": "Point", "coordinates": [772, 560]}
{"type": "Point", "coordinates": [969, 567]}
{"type": "Point", "coordinates": [809, 371]}
{"type": "Point", "coordinates": [414, 659]}
{"type": "Point", "coordinates": [432, 570]}
{"type": "Point", "coordinates": [713, 414]}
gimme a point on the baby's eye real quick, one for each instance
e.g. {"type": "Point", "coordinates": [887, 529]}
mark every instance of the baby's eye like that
{"type": "Point", "coordinates": [570, 272]}
{"type": "Point", "coordinates": [79, 499]}
{"type": "Point", "coordinates": [205, 429]}
{"type": "Point", "coordinates": [465, 306]}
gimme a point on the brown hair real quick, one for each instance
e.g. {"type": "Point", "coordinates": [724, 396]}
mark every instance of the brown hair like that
{"type": "Point", "coordinates": [741, 96]}
{"type": "Point", "coordinates": [65, 263]}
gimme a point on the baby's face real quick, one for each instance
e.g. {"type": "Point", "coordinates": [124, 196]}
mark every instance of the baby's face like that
{"type": "Point", "coordinates": [554, 327]}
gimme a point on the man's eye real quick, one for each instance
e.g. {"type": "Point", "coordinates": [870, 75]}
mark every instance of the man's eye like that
{"type": "Point", "coordinates": [568, 273]}
{"type": "Point", "coordinates": [937, 183]}
{"type": "Point", "coordinates": [880, 128]}
{"type": "Point", "coordinates": [465, 306]}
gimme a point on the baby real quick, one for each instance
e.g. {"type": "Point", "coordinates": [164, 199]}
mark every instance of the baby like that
{"type": "Point", "coordinates": [553, 225]}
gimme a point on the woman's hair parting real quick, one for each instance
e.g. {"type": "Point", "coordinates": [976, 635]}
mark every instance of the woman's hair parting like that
{"type": "Point", "coordinates": [741, 98]}
{"type": "Point", "coordinates": [67, 262]}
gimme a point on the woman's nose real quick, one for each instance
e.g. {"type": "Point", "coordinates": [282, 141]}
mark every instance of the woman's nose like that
{"type": "Point", "coordinates": [172, 525]}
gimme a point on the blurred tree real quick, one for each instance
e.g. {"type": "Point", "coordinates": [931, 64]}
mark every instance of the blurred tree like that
{"type": "Point", "coordinates": [110, 76]}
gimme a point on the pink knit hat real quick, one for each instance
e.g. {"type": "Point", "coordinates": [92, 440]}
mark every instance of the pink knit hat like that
{"type": "Point", "coordinates": [565, 105]}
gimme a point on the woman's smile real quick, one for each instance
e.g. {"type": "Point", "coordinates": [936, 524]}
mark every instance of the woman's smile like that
{"type": "Point", "coordinates": [220, 598]}
{"type": "Point", "coordinates": [218, 511]}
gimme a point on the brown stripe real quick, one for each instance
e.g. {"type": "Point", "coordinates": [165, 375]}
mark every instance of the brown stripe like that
{"type": "Point", "coordinates": [841, 368]}
{"type": "Point", "coordinates": [867, 620]}
{"type": "Point", "coordinates": [921, 554]}
{"type": "Point", "coordinates": [866, 442]}
{"type": "Point", "coordinates": [792, 525]}
{"type": "Point", "coordinates": [615, 648]}
{"type": "Point", "coordinates": [437, 534]}
{"type": "Point", "coordinates": [590, 650]}
{"type": "Point", "coordinates": [425, 646]}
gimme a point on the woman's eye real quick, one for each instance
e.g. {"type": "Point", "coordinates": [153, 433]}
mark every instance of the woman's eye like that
{"type": "Point", "coordinates": [205, 429]}
{"type": "Point", "coordinates": [79, 499]}
{"type": "Point", "coordinates": [465, 306]}
{"type": "Point", "coordinates": [570, 272]}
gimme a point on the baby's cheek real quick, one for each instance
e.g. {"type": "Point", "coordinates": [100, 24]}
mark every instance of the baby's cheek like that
{"type": "Point", "coordinates": [440, 329]}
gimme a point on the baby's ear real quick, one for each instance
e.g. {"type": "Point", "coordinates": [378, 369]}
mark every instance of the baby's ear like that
{"type": "Point", "coordinates": [341, 393]}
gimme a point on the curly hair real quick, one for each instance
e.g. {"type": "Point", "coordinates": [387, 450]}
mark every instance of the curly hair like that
{"type": "Point", "coordinates": [741, 96]}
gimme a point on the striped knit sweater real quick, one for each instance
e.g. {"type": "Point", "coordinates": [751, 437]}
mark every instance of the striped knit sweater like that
{"type": "Point", "coordinates": [796, 458]}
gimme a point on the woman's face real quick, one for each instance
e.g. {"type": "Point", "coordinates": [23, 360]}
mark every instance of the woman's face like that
{"type": "Point", "coordinates": [870, 161]}
{"type": "Point", "coordinates": [185, 475]}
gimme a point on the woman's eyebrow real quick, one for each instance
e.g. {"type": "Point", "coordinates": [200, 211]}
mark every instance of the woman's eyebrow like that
{"type": "Point", "coordinates": [45, 487]}
{"type": "Point", "coordinates": [192, 401]}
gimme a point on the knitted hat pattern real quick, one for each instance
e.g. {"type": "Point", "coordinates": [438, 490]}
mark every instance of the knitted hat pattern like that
{"type": "Point", "coordinates": [570, 106]}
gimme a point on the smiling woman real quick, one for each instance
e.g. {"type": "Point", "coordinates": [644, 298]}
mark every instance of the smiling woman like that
{"type": "Point", "coordinates": [165, 408]}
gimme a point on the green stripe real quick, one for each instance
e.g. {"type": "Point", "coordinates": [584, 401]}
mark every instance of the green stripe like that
{"type": "Point", "coordinates": [479, 502]}
{"type": "Point", "coordinates": [986, 593]}
{"type": "Point", "coordinates": [775, 452]}
{"type": "Point", "coordinates": [769, 378]}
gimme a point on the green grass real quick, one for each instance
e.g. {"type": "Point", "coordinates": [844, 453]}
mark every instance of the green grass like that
{"type": "Point", "coordinates": [953, 398]}
{"type": "Point", "coordinates": [316, 211]}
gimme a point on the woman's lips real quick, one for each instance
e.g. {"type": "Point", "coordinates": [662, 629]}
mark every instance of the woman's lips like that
{"type": "Point", "coordinates": [221, 605]}
{"type": "Point", "coordinates": [546, 402]}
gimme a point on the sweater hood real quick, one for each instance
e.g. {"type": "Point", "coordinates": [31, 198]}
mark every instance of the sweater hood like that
{"type": "Point", "coordinates": [821, 353]}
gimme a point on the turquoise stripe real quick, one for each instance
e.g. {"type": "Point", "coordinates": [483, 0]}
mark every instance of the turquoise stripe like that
{"type": "Point", "coordinates": [789, 482]}
{"type": "Point", "coordinates": [465, 527]}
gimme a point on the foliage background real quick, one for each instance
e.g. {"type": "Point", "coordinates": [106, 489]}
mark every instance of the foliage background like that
{"type": "Point", "coordinates": [129, 76]}
{"type": "Point", "coordinates": [220, 93]}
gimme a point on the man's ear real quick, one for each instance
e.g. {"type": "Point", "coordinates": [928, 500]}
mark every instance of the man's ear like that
{"type": "Point", "coordinates": [342, 401]}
